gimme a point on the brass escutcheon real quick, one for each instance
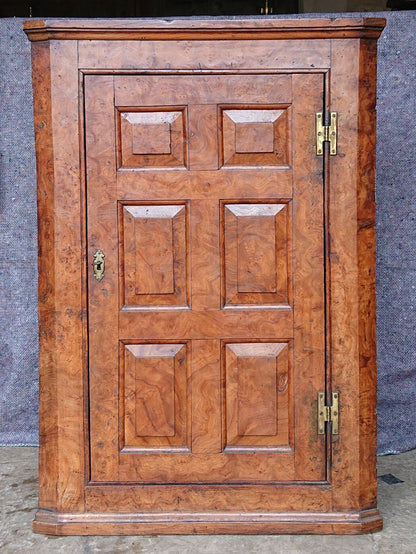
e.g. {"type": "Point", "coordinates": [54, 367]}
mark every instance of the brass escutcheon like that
{"type": "Point", "coordinates": [98, 264]}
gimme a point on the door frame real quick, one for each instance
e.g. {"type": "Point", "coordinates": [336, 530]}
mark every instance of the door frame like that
{"type": "Point", "coordinates": [303, 461]}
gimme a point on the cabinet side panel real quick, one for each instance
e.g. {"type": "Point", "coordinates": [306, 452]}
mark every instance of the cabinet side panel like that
{"type": "Point", "coordinates": [66, 245]}
{"type": "Point", "coordinates": [351, 255]}
{"type": "Point", "coordinates": [48, 411]}
{"type": "Point", "coordinates": [367, 271]}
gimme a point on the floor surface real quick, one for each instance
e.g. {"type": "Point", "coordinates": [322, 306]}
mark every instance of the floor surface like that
{"type": "Point", "coordinates": [397, 502]}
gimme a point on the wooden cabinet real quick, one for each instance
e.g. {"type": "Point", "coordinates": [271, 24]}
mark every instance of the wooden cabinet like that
{"type": "Point", "coordinates": [206, 276]}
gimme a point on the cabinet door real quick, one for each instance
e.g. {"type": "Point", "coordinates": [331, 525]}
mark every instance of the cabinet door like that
{"type": "Point", "coordinates": [207, 331]}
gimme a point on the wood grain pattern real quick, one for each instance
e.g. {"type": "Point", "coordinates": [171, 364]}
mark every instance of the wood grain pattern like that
{"type": "Point", "coordinates": [150, 90]}
{"type": "Point", "coordinates": [256, 396]}
{"type": "Point", "coordinates": [198, 55]}
{"type": "Point", "coordinates": [252, 137]}
{"type": "Point", "coordinates": [203, 137]}
{"type": "Point", "coordinates": [257, 400]}
{"type": "Point", "coordinates": [144, 498]}
{"type": "Point", "coordinates": [48, 390]}
{"type": "Point", "coordinates": [355, 355]}
{"type": "Point", "coordinates": [256, 254]}
{"type": "Point", "coordinates": [367, 521]}
{"type": "Point", "coordinates": [308, 277]}
{"type": "Point", "coordinates": [154, 396]}
{"type": "Point", "coordinates": [61, 313]}
{"type": "Point", "coordinates": [228, 323]}
{"type": "Point", "coordinates": [366, 253]}
{"type": "Point", "coordinates": [256, 244]}
{"type": "Point", "coordinates": [206, 397]}
{"type": "Point", "coordinates": [217, 322]}
{"type": "Point", "coordinates": [344, 279]}
{"type": "Point", "coordinates": [103, 325]}
{"type": "Point", "coordinates": [260, 246]}
{"type": "Point", "coordinates": [211, 184]}
{"type": "Point", "coordinates": [124, 29]}
{"type": "Point", "coordinates": [152, 138]}
{"type": "Point", "coordinates": [153, 254]}
{"type": "Point", "coordinates": [255, 137]}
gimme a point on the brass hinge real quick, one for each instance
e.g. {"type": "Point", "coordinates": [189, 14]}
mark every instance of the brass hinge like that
{"type": "Point", "coordinates": [326, 133]}
{"type": "Point", "coordinates": [328, 414]}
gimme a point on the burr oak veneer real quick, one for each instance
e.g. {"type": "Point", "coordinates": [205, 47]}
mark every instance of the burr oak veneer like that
{"type": "Point", "coordinates": [206, 275]}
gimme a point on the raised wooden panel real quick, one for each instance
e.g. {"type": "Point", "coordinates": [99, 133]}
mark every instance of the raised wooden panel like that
{"type": "Point", "coordinates": [153, 255]}
{"type": "Point", "coordinates": [255, 136]}
{"type": "Point", "coordinates": [255, 254]}
{"type": "Point", "coordinates": [257, 411]}
{"type": "Point", "coordinates": [153, 396]}
{"type": "Point", "coordinates": [152, 139]}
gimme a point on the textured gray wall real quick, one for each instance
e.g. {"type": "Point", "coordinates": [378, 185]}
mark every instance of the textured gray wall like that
{"type": "Point", "coordinates": [396, 233]}
{"type": "Point", "coordinates": [18, 233]}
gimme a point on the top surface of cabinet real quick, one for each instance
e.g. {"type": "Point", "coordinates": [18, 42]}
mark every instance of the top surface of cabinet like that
{"type": "Point", "coordinates": [122, 29]}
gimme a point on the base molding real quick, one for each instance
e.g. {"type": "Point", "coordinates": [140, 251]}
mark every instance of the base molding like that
{"type": "Point", "coordinates": [177, 523]}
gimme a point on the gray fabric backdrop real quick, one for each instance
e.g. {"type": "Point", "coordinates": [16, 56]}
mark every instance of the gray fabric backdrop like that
{"type": "Point", "coordinates": [396, 233]}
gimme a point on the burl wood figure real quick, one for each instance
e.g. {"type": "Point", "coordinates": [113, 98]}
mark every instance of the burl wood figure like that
{"type": "Point", "coordinates": [206, 275]}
